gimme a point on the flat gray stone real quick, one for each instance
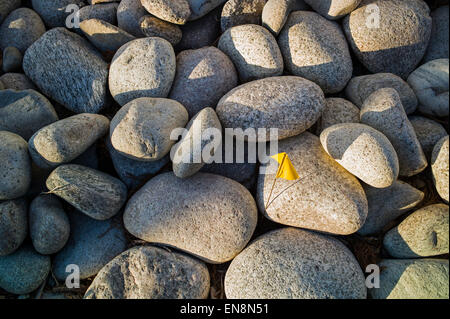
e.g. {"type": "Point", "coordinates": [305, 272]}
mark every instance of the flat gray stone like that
{"type": "Point", "coordinates": [430, 83]}
{"type": "Point", "coordinates": [12, 59]}
{"type": "Point", "coordinates": [15, 166]}
{"type": "Point", "coordinates": [333, 9]}
{"type": "Point", "coordinates": [440, 167]}
{"type": "Point", "coordinates": [7, 6]}
{"type": "Point", "coordinates": [23, 271]}
{"type": "Point", "coordinates": [424, 233]}
{"type": "Point", "coordinates": [412, 279]}
{"type": "Point", "coordinates": [173, 11]}
{"type": "Point", "coordinates": [259, 60]}
{"type": "Point", "coordinates": [142, 128]}
{"type": "Point", "coordinates": [360, 87]}
{"type": "Point", "coordinates": [17, 81]}
{"type": "Point", "coordinates": [66, 68]}
{"type": "Point", "coordinates": [49, 224]}
{"type": "Point", "coordinates": [92, 244]}
{"type": "Point", "coordinates": [240, 12]}
{"type": "Point", "coordinates": [316, 49]}
{"type": "Point", "coordinates": [326, 198]}
{"type": "Point", "coordinates": [387, 204]}
{"type": "Point", "coordinates": [64, 140]}
{"type": "Point", "coordinates": [25, 112]}
{"type": "Point", "coordinates": [291, 263]}
{"type": "Point", "coordinates": [383, 110]}
{"type": "Point", "coordinates": [193, 215]}
{"type": "Point", "coordinates": [142, 68]}
{"type": "Point", "coordinates": [289, 103]}
{"type": "Point", "coordinates": [337, 110]}
{"type": "Point", "coordinates": [98, 195]}
{"type": "Point", "coordinates": [154, 27]}
{"type": "Point", "coordinates": [13, 225]}
{"type": "Point", "coordinates": [438, 46]}
{"type": "Point", "coordinates": [428, 132]}
{"type": "Point", "coordinates": [203, 77]}
{"type": "Point", "coordinates": [398, 43]}
{"type": "Point", "coordinates": [53, 12]}
{"type": "Point", "coordinates": [173, 276]}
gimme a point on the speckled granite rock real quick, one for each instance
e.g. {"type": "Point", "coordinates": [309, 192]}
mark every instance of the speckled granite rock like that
{"type": "Point", "coordinates": [73, 74]}
{"type": "Point", "coordinates": [173, 276]}
{"type": "Point", "coordinates": [7, 6]}
{"type": "Point", "coordinates": [142, 68]}
{"type": "Point", "coordinates": [13, 225]}
{"type": "Point", "coordinates": [206, 215]}
{"type": "Point", "coordinates": [154, 27]}
{"type": "Point", "coordinates": [327, 198]}
{"type": "Point", "coordinates": [412, 279]}
{"type": "Point", "coordinates": [400, 40]}
{"type": "Point", "coordinates": [200, 8]}
{"type": "Point", "coordinates": [438, 46]}
{"type": "Point", "coordinates": [276, 12]}
{"type": "Point", "coordinates": [315, 48]}
{"type": "Point", "coordinates": [173, 11]}
{"type": "Point", "coordinates": [141, 129]}
{"type": "Point", "coordinates": [337, 111]}
{"type": "Point", "coordinates": [240, 12]}
{"type": "Point", "coordinates": [203, 77]}
{"type": "Point", "coordinates": [106, 12]}
{"type": "Point", "coordinates": [259, 60]}
{"type": "Point", "coordinates": [424, 233]}
{"type": "Point", "coordinates": [64, 140]}
{"type": "Point", "coordinates": [15, 166]}
{"type": "Point", "coordinates": [386, 204]}
{"type": "Point", "coordinates": [290, 104]}
{"type": "Point", "coordinates": [53, 12]}
{"type": "Point", "coordinates": [25, 112]}
{"type": "Point", "coordinates": [293, 263]}
{"type": "Point", "coordinates": [383, 110]}
{"type": "Point", "coordinates": [12, 59]}
{"type": "Point", "coordinates": [428, 132]}
{"type": "Point", "coordinates": [363, 151]}
{"type": "Point", "coordinates": [440, 167]}
{"type": "Point", "coordinates": [333, 9]}
{"type": "Point", "coordinates": [360, 87]}
{"type": "Point", "coordinates": [98, 195]}
{"type": "Point", "coordinates": [17, 81]}
{"type": "Point", "coordinates": [129, 14]}
{"type": "Point", "coordinates": [430, 83]}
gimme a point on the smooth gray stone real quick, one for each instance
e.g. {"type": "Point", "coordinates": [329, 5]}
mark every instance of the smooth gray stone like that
{"type": "Point", "coordinates": [154, 27]}
{"type": "Point", "coordinates": [173, 11]}
{"type": "Point", "coordinates": [13, 225]}
{"type": "Point", "coordinates": [98, 195]}
{"type": "Point", "coordinates": [53, 12]}
{"type": "Point", "coordinates": [200, 8]}
{"type": "Point", "coordinates": [17, 81]}
{"type": "Point", "coordinates": [12, 59]}
{"type": "Point", "coordinates": [438, 46]}
{"type": "Point", "coordinates": [337, 111]}
{"type": "Point", "coordinates": [92, 244]}
{"type": "Point", "coordinates": [276, 12]}
{"type": "Point", "coordinates": [106, 12]}
{"type": "Point", "coordinates": [333, 9]}
{"type": "Point", "coordinates": [7, 6]}
{"type": "Point", "coordinates": [23, 271]}
{"type": "Point", "coordinates": [25, 112]}
{"type": "Point", "coordinates": [20, 29]}
{"type": "Point", "coordinates": [127, 276]}
{"type": "Point", "coordinates": [240, 12]}
{"type": "Point", "coordinates": [129, 13]}
{"type": "Point", "coordinates": [412, 279]}
{"type": "Point", "coordinates": [15, 166]}
{"type": "Point", "coordinates": [68, 69]}
{"type": "Point", "coordinates": [49, 224]}
{"type": "Point", "coordinates": [428, 132]}
{"type": "Point", "coordinates": [292, 263]}
{"type": "Point", "coordinates": [440, 167]}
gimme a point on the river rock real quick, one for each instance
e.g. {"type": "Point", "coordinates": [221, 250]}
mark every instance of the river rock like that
{"type": "Point", "coordinates": [203, 77]}
{"type": "Point", "coordinates": [430, 83]}
{"type": "Point", "coordinates": [240, 12]}
{"type": "Point", "coordinates": [412, 279]}
{"type": "Point", "coordinates": [387, 204]}
{"type": "Point", "coordinates": [98, 195]}
{"type": "Point", "coordinates": [13, 225]}
{"type": "Point", "coordinates": [200, 8]}
{"type": "Point", "coordinates": [428, 132]}
{"type": "Point", "coordinates": [363, 151]}
{"type": "Point", "coordinates": [173, 11]}
{"type": "Point", "coordinates": [333, 9]}
{"type": "Point", "coordinates": [293, 263]}
{"type": "Point", "coordinates": [206, 215]}
{"type": "Point", "coordinates": [129, 14]}
{"type": "Point", "coordinates": [142, 128]}
{"type": "Point", "coordinates": [7, 6]}
{"type": "Point", "coordinates": [23, 271]}
{"type": "Point", "coordinates": [190, 154]}
{"type": "Point", "coordinates": [92, 244]}
{"type": "Point", "coordinates": [20, 29]}
{"type": "Point", "coordinates": [64, 140]}
{"type": "Point", "coordinates": [17, 81]}
{"type": "Point", "coordinates": [315, 48]}
{"type": "Point", "coordinates": [424, 233]}
{"type": "Point", "coordinates": [290, 104]}
{"type": "Point", "coordinates": [438, 46]}
{"type": "Point", "coordinates": [337, 111]}
{"type": "Point", "coordinates": [395, 44]}
{"type": "Point", "coordinates": [49, 224]}
{"type": "Point", "coordinates": [440, 167]}
{"type": "Point", "coordinates": [15, 166]}
{"type": "Point", "coordinates": [12, 59]}
{"type": "Point", "coordinates": [361, 87]}
{"type": "Point", "coordinates": [154, 27]}
{"type": "Point", "coordinates": [259, 60]}
{"type": "Point", "coordinates": [73, 74]}
{"type": "Point", "coordinates": [327, 198]}
{"type": "Point", "coordinates": [142, 68]}
{"type": "Point", "coordinates": [25, 112]}
{"type": "Point", "coordinates": [383, 110]}
{"type": "Point", "coordinates": [106, 12]}
{"type": "Point", "coordinates": [173, 276]}
{"type": "Point", "coordinates": [276, 12]}
{"type": "Point", "coordinates": [53, 12]}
